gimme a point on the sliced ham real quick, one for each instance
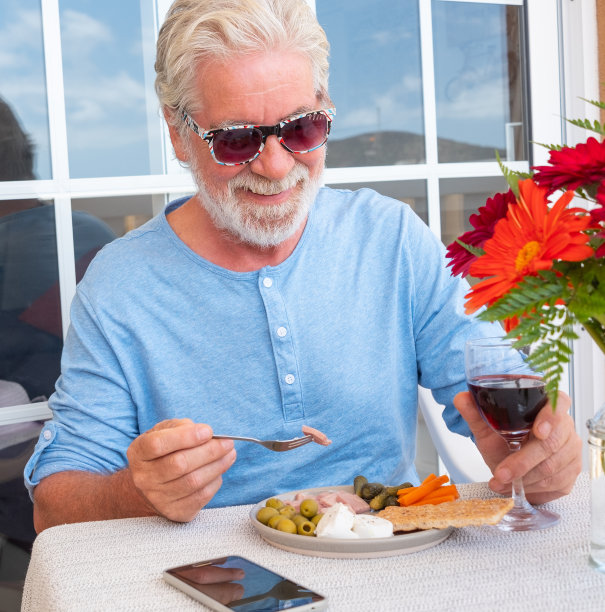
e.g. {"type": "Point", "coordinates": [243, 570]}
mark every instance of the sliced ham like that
{"type": "Point", "coordinates": [318, 436]}
{"type": "Point", "coordinates": [327, 499]}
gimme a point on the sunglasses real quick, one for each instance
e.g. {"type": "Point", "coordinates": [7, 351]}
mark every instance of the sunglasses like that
{"type": "Point", "coordinates": [241, 144]}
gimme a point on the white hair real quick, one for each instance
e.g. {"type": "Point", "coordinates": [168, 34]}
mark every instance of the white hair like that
{"type": "Point", "coordinates": [197, 31]}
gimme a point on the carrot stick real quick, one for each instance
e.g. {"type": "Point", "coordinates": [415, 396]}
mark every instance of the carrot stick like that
{"type": "Point", "coordinates": [407, 490]}
{"type": "Point", "coordinates": [423, 490]}
{"type": "Point", "coordinates": [443, 490]}
{"type": "Point", "coordinates": [434, 500]}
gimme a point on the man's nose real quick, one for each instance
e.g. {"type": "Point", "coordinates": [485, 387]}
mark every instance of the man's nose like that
{"type": "Point", "coordinates": [274, 162]}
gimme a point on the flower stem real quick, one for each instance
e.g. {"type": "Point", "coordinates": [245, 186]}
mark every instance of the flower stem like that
{"type": "Point", "coordinates": [596, 329]}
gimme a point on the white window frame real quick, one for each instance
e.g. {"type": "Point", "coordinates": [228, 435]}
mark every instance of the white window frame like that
{"type": "Point", "coordinates": [562, 49]}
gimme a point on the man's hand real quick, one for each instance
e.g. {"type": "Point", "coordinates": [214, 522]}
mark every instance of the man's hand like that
{"type": "Point", "coordinates": [177, 467]}
{"type": "Point", "coordinates": [549, 460]}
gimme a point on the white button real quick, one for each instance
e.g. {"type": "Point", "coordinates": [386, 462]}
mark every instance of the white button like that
{"type": "Point", "coordinates": [47, 434]}
{"type": "Point", "coordinates": [289, 378]}
{"type": "Point", "coordinates": [281, 331]}
{"type": "Point", "coordinates": [267, 281]}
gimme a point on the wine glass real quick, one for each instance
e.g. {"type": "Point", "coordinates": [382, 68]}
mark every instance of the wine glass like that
{"type": "Point", "coordinates": [509, 395]}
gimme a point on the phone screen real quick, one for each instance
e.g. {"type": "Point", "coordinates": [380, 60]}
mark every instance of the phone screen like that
{"type": "Point", "coordinates": [240, 584]}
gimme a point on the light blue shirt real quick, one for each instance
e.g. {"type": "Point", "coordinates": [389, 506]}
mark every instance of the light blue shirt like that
{"type": "Point", "coordinates": [338, 337]}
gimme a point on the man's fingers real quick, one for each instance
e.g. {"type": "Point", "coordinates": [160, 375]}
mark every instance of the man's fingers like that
{"type": "Point", "coordinates": [548, 420]}
{"type": "Point", "coordinates": [171, 436]}
{"type": "Point", "coordinates": [467, 408]}
{"type": "Point", "coordinates": [181, 498]}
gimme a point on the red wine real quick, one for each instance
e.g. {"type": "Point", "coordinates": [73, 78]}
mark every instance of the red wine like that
{"type": "Point", "coordinates": [509, 402]}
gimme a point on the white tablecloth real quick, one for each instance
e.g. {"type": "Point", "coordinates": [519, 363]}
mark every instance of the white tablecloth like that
{"type": "Point", "coordinates": [117, 565]}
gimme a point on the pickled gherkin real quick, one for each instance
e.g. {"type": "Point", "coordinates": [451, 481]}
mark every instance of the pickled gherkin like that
{"type": "Point", "coordinates": [358, 483]}
{"type": "Point", "coordinates": [371, 490]}
{"type": "Point", "coordinates": [377, 502]}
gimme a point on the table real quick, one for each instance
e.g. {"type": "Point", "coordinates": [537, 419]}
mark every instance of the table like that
{"type": "Point", "coordinates": [117, 565]}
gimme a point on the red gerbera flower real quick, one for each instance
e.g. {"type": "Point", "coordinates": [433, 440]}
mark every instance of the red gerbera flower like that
{"type": "Point", "coordinates": [484, 222]}
{"type": "Point", "coordinates": [573, 167]}
{"type": "Point", "coordinates": [529, 239]}
{"type": "Point", "coordinates": [598, 218]}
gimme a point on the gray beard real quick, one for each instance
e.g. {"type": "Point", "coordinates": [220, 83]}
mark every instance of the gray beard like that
{"type": "Point", "coordinates": [261, 226]}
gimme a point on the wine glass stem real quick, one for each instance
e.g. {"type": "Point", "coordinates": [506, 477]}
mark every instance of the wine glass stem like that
{"type": "Point", "coordinates": [518, 490]}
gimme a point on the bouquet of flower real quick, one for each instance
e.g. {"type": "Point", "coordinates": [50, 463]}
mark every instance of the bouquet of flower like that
{"type": "Point", "coordinates": [540, 263]}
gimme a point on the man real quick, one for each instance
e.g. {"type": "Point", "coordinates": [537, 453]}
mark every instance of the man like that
{"type": "Point", "coordinates": [260, 304]}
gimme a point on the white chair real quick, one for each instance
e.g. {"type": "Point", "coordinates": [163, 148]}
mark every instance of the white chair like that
{"type": "Point", "coordinates": [458, 455]}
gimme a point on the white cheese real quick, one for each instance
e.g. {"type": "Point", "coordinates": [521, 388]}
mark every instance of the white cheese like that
{"type": "Point", "coordinates": [337, 522]}
{"type": "Point", "coordinates": [368, 526]}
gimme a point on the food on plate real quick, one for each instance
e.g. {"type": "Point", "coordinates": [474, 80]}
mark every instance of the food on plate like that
{"type": "Point", "coordinates": [288, 519]}
{"type": "Point", "coordinates": [377, 495]}
{"type": "Point", "coordinates": [433, 490]}
{"type": "Point", "coordinates": [459, 513]}
{"type": "Point", "coordinates": [306, 528]}
{"type": "Point", "coordinates": [337, 522]}
{"type": "Point", "coordinates": [318, 436]}
{"type": "Point", "coordinates": [371, 489]}
{"type": "Point", "coordinates": [264, 514]}
{"type": "Point", "coordinates": [326, 499]}
{"type": "Point", "coordinates": [372, 526]}
{"type": "Point", "coordinates": [287, 511]}
{"type": "Point", "coordinates": [358, 482]}
{"type": "Point", "coordinates": [309, 507]}
{"type": "Point", "coordinates": [340, 522]}
{"type": "Point", "coordinates": [286, 525]}
{"type": "Point", "coordinates": [274, 502]}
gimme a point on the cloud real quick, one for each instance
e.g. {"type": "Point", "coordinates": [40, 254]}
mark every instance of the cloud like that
{"type": "Point", "coordinates": [83, 31]}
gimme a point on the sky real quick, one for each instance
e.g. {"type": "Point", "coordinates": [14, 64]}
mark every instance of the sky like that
{"type": "Point", "coordinates": [376, 81]}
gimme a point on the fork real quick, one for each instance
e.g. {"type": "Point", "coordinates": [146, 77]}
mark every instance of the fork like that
{"type": "Point", "coordinates": [274, 445]}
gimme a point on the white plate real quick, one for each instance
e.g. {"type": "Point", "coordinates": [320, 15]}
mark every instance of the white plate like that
{"type": "Point", "coordinates": [362, 548]}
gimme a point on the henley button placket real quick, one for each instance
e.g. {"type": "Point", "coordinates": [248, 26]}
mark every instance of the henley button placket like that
{"type": "Point", "coordinates": [284, 352]}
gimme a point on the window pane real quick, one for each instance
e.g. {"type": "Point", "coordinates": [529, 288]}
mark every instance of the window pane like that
{"type": "Point", "coordinates": [479, 81]}
{"type": "Point", "coordinates": [113, 125]}
{"type": "Point", "coordinates": [117, 215]}
{"type": "Point", "coordinates": [410, 192]}
{"type": "Point", "coordinates": [23, 110]}
{"type": "Point", "coordinates": [375, 82]}
{"type": "Point", "coordinates": [460, 198]}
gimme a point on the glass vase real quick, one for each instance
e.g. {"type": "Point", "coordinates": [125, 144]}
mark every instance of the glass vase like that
{"type": "Point", "coordinates": [596, 447]}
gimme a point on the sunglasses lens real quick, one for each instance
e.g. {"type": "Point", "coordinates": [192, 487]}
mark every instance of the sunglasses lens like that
{"type": "Point", "coordinates": [236, 146]}
{"type": "Point", "coordinates": [306, 133]}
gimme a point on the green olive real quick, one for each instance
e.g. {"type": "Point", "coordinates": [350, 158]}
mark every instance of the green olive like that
{"type": "Point", "coordinates": [286, 525]}
{"type": "Point", "coordinates": [309, 508]}
{"type": "Point", "coordinates": [272, 522]}
{"type": "Point", "coordinates": [316, 519]}
{"type": "Point", "coordinates": [264, 514]}
{"type": "Point", "coordinates": [274, 503]}
{"type": "Point", "coordinates": [307, 528]}
{"type": "Point", "coordinates": [288, 511]}
{"type": "Point", "coordinates": [298, 519]}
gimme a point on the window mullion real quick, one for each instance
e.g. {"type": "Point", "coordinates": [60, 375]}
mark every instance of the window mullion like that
{"type": "Point", "coordinates": [59, 154]}
{"type": "Point", "coordinates": [430, 115]}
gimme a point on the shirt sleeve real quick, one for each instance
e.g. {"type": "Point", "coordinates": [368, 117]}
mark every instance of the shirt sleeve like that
{"type": "Point", "coordinates": [94, 419]}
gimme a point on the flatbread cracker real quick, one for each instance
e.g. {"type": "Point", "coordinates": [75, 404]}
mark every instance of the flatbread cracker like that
{"type": "Point", "coordinates": [459, 513]}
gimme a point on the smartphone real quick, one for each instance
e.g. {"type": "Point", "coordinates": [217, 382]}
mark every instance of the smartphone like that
{"type": "Point", "coordinates": [234, 583]}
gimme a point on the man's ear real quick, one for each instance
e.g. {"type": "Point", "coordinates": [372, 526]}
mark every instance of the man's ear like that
{"type": "Point", "coordinates": [178, 143]}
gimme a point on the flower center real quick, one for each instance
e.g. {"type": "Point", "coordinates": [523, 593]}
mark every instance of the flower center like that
{"type": "Point", "coordinates": [526, 254]}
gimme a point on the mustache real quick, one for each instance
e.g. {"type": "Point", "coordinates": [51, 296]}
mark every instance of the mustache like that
{"type": "Point", "coordinates": [264, 186]}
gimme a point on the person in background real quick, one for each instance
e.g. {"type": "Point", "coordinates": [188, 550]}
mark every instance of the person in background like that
{"type": "Point", "coordinates": [31, 338]}
{"type": "Point", "coordinates": [262, 303]}
{"type": "Point", "coordinates": [30, 314]}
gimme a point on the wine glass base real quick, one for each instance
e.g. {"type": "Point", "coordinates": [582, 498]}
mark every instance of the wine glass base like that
{"type": "Point", "coordinates": [528, 518]}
